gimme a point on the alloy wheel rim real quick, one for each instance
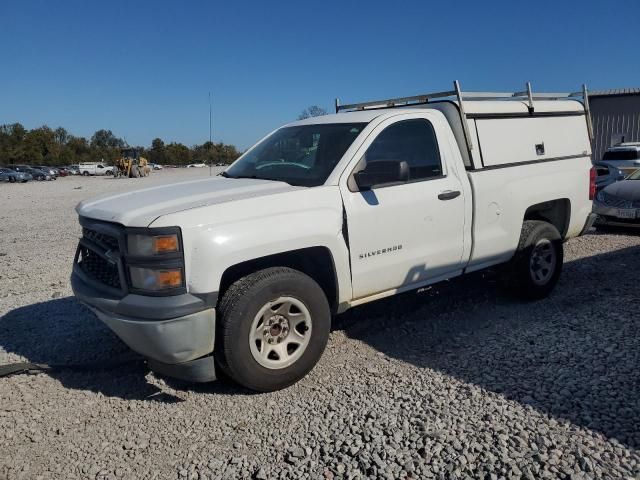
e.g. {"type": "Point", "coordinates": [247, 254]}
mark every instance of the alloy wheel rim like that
{"type": "Point", "coordinates": [542, 263]}
{"type": "Point", "coordinates": [280, 333]}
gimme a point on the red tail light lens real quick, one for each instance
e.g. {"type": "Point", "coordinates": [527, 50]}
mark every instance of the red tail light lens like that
{"type": "Point", "coordinates": [592, 183]}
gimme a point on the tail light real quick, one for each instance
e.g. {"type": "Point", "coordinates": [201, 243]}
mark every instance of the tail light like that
{"type": "Point", "coordinates": [592, 183]}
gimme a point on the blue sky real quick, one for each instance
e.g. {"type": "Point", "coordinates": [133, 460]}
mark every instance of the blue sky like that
{"type": "Point", "coordinates": [144, 69]}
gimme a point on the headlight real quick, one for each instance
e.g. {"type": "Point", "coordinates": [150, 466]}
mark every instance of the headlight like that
{"type": "Point", "coordinates": [147, 245]}
{"type": "Point", "coordinates": [154, 280]}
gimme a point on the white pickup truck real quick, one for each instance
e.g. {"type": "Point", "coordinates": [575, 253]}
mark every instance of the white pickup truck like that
{"type": "Point", "coordinates": [94, 168]}
{"type": "Point", "coordinates": [243, 272]}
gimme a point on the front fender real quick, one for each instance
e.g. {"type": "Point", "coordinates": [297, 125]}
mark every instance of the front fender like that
{"type": "Point", "coordinates": [220, 236]}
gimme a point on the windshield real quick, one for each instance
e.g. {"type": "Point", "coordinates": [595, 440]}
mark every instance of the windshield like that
{"type": "Point", "coordinates": [634, 176]}
{"type": "Point", "coordinates": [303, 155]}
{"type": "Point", "coordinates": [621, 155]}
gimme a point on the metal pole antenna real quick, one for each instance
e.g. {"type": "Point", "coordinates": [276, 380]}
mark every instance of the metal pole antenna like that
{"type": "Point", "coordinates": [210, 144]}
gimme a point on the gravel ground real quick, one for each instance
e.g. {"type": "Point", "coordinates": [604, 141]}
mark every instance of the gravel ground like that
{"type": "Point", "coordinates": [458, 381]}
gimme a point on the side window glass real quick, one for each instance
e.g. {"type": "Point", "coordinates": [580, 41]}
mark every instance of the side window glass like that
{"type": "Point", "coordinates": [412, 141]}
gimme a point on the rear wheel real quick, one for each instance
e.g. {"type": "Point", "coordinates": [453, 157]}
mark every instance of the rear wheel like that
{"type": "Point", "coordinates": [12, 179]}
{"type": "Point", "coordinates": [536, 266]}
{"type": "Point", "coordinates": [273, 326]}
{"type": "Point", "coordinates": [85, 173]}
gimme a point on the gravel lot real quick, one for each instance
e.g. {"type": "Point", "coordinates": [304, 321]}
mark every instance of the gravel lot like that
{"type": "Point", "coordinates": [459, 381]}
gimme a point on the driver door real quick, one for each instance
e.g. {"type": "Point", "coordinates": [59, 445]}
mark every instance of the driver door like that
{"type": "Point", "coordinates": [404, 235]}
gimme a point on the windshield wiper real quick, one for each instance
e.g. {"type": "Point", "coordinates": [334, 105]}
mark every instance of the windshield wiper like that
{"type": "Point", "coordinates": [253, 177]}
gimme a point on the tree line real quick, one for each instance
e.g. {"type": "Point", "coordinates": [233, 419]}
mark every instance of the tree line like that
{"type": "Point", "coordinates": [47, 146]}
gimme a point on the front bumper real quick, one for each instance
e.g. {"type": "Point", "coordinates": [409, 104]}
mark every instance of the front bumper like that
{"type": "Point", "coordinates": [175, 333]}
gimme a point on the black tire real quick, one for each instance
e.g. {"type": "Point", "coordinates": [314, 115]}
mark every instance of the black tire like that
{"type": "Point", "coordinates": [540, 244]}
{"type": "Point", "coordinates": [12, 179]}
{"type": "Point", "coordinates": [85, 173]}
{"type": "Point", "coordinates": [40, 178]}
{"type": "Point", "coordinates": [242, 303]}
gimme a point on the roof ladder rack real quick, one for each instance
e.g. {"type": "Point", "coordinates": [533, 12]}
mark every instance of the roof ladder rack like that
{"type": "Point", "coordinates": [587, 111]}
{"type": "Point", "coordinates": [526, 95]}
{"type": "Point", "coordinates": [463, 116]}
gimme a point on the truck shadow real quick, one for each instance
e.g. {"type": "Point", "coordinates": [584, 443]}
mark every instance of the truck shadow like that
{"type": "Point", "coordinates": [573, 356]}
{"type": "Point", "coordinates": [63, 332]}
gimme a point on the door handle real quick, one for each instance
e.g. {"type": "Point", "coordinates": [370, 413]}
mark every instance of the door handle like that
{"type": "Point", "coordinates": [449, 194]}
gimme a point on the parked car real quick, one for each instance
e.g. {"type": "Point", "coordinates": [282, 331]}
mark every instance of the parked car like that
{"type": "Point", "coordinates": [51, 171]}
{"type": "Point", "coordinates": [155, 166]}
{"type": "Point", "coordinates": [618, 205]}
{"type": "Point", "coordinates": [332, 212]}
{"type": "Point", "coordinates": [62, 171]}
{"type": "Point", "coordinates": [196, 165]}
{"type": "Point", "coordinates": [73, 169]}
{"type": "Point", "coordinates": [624, 156]}
{"type": "Point", "coordinates": [38, 174]}
{"type": "Point", "coordinates": [13, 176]}
{"type": "Point", "coordinates": [18, 167]}
{"type": "Point", "coordinates": [607, 174]}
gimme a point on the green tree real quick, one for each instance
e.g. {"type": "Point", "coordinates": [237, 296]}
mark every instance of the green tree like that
{"type": "Point", "coordinates": [61, 136]}
{"type": "Point", "coordinates": [178, 154]}
{"type": "Point", "coordinates": [158, 154]}
{"type": "Point", "coordinates": [106, 139]}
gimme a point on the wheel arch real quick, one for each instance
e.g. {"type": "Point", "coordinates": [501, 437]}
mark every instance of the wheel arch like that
{"type": "Point", "coordinates": [316, 262]}
{"type": "Point", "coordinates": [556, 212]}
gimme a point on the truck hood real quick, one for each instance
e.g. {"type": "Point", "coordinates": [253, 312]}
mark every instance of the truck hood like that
{"type": "Point", "coordinates": [140, 208]}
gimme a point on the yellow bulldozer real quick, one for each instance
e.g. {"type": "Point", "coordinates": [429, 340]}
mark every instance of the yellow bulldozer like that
{"type": "Point", "coordinates": [131, 164]}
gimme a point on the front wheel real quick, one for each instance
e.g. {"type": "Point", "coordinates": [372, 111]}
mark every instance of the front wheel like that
{"type": "Point", "coordinates": [12, 179]}
{"type": "Point", "coordinates": [536, 266]}
{"type": "Point", "coordinates": [273, 326]}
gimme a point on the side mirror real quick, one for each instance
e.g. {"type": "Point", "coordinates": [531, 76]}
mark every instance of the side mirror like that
{"type": "Point", "coordinates": [379, 172]}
